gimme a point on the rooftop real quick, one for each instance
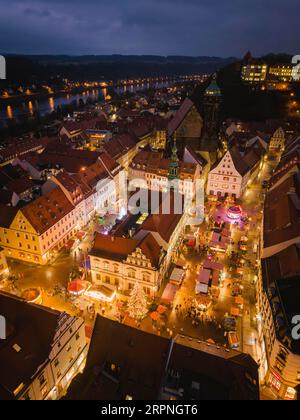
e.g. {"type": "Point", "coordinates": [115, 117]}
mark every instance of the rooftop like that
{"type": "Point", "coordinates": [127, 362]}
{"type": "Point", "coordinates": [30, 328]}
{"type": "Point", "coordinates": [281, 274]}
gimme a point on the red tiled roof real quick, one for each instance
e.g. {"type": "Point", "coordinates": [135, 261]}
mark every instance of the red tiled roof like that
{"type": "Point", "coordinates": [20, 185]}
{"type": "Point", "coordinates": [118, 248]}
{"type": "Point", "coordinates": [153, 162]}
{"type": "Point", "coordinates": [20, 147]}
{"type": "Point", "coordinates": [282, 212]}
{"type": "Point", "coordinates": [46, 211]}
{"type": "Point", "coordinates": [180, 115]}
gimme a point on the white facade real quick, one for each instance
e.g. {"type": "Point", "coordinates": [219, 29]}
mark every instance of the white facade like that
{"type": "Point", "coordinates": [66, 359]}
{"type": "Point", "coordinates": [277, 142]}
{"type": "Point", "coordinates": [139, 178]}
{"type": "Point", "coordinates": [124, 274]}
{"type": "Point", "coordinates": [224, 179]}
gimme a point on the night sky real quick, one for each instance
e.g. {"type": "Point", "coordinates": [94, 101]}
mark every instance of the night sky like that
{"type": "Point", "coordinates": [163, 27]}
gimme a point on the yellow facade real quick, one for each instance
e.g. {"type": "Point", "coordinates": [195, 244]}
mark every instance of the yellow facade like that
{"type": "Point", "coordinates": [20, 241]}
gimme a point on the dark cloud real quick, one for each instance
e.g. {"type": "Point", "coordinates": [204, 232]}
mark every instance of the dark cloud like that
{"type": "Point", "coordinates": [189, 27]}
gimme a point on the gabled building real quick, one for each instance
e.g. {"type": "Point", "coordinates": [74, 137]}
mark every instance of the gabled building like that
{"type": "Point", "coordinates": [229, 176]}
{"type": "Point", "coordinates": [152, 168]}
{"type": "Point", "coordinates": [277, 142]}
{"type": "Point", "coordinates": [122, 148]}
{"type": "Point", "coordinates": [42, 352]}
{"type": "Point", "coordinates": [78, 193]}
{"type": "Point", "coordinates": [156, 231]}
{"type": "Point", "coordinates": [36, 232]}
{"type": "Point", "coordinates": [232, 173]}
{"type": "Point", "coordinates": [107, 180]}
{"type": "Point", "coordinates": [121, 262]}
{"type": "Point", "coordinates": [186, 125]}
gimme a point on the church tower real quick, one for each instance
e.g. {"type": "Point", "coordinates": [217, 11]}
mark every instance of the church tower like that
{"type": "Point", "coordinates": [174, 164]}
{"type": "Point", "coordinates": [211, 109]}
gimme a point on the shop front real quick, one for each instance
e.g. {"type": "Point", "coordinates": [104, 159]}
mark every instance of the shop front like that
{"type": "Point", "coordinates": [281, 388]}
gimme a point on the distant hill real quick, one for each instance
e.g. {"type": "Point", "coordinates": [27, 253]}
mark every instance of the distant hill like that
{"type": "Point", "coordinates": [109, 67]}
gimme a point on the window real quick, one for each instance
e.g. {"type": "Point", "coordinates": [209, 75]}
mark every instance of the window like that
{"type": "Point", "coordinates": [146, 277]}
{"type": "Point", "coordinates": [282, 355]}
{"type": "Point", "coordinates": [42, 380]}
{"type": "Point", "coordinates": [112, 369]}
{"type": "Point", "coordinates": [77, 336]}
{"type": "Point", "coordinates": [56, 362]}
{"type": "Point", "coordinates": [44, 391]}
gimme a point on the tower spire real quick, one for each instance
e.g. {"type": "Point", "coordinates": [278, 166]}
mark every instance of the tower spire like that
{"type": "Point", "coordinates": [174, 164]}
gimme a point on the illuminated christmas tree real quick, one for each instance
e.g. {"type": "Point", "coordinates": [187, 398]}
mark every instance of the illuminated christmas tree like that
{"type": "Point", "coordinates": [137, 303]}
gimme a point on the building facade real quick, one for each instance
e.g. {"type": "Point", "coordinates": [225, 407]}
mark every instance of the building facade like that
{"type": "Point", "coordinates": [121, 262]}
{"type": "Point", "coordinates": [40, 364]}
{"type": "Point", "coordinates": [278, 287]}
{"type": "Point", "coordinates": [151, 171]}
{"type": "Point", "coordinates": [277, 142]}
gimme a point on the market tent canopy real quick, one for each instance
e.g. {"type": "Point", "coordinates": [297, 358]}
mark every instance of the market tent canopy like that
{"type": "Point", "coordinates": [201, 288]}
{"type": "Point", "coordinates": [102, 292]}
{"type": "Point", "coordinates": [215, 278]}
{"type": "Point", "coordinates": [169, 293]}
{"type": "Point", "coordinates": [203, 276]}
{"type": "Point", "coordinates": [181, 263]}
{"type": "Point", "coordinates": [177, 276]}
{"type": "Point", "coordinates": [213, 265]}
{"type": "Point", "coordinates": [77, 287]}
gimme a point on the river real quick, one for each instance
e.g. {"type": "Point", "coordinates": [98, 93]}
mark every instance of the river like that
{"type": "Point", "coordinates": [9, 111]}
